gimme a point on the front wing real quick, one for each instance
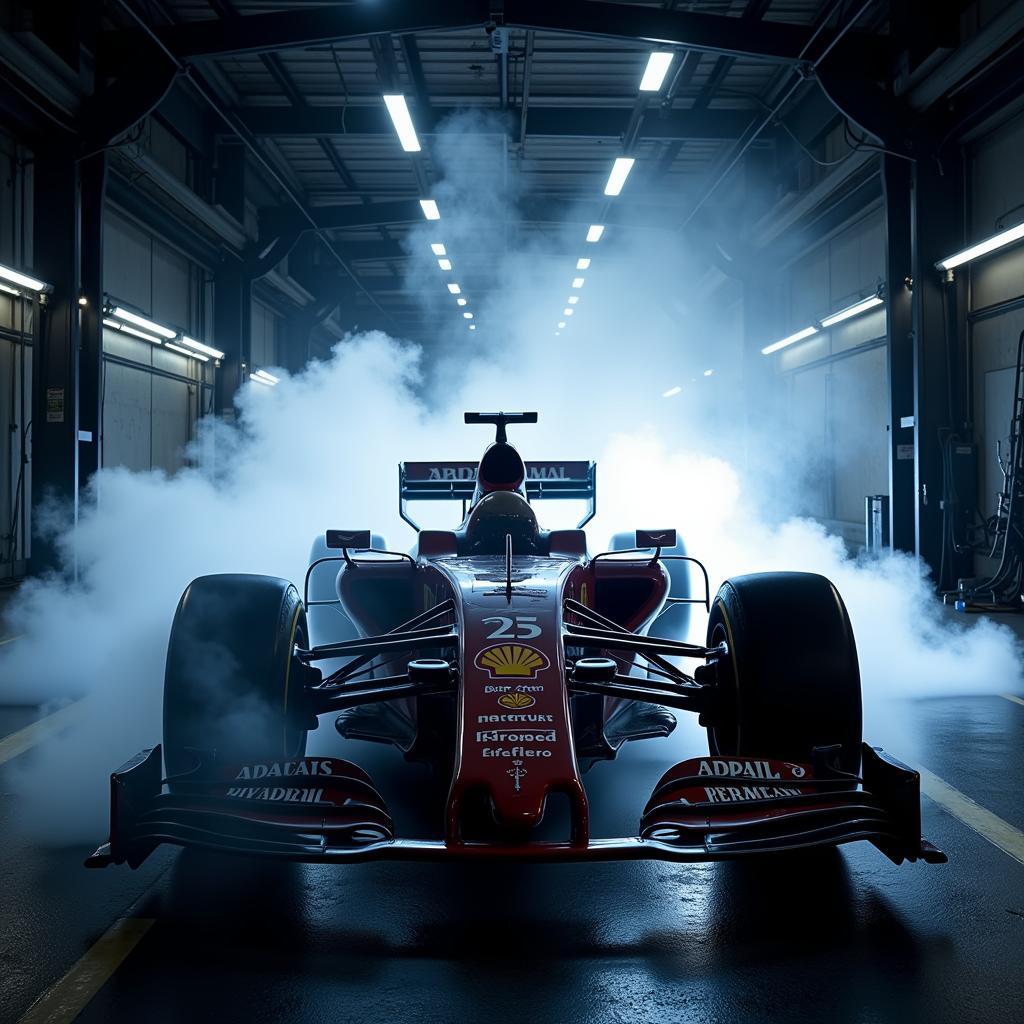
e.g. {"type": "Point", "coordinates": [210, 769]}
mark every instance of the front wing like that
{"type": "Point", "coordinates": [328, 810]}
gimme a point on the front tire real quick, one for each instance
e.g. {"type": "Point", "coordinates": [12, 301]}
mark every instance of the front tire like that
{"type": "Point", "coordinates": [230, 685]}
{"type": "Point", "coordinates": [791, 681]}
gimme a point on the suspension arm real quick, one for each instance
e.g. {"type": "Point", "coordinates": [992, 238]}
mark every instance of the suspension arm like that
{"type": "Point", "coordinates": [689, 699]}
{"type": "Point", "coordinates": [613, 640]}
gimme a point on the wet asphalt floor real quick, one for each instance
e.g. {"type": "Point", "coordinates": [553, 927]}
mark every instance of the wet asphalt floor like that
{"type": "Point", "coordinates": [843, 936]}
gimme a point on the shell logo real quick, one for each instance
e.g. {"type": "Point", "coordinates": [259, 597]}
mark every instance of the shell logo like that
{"type": "Point", "coordinates": [511, 661]}
{"type": "Point", "coordinates": [516, 701]}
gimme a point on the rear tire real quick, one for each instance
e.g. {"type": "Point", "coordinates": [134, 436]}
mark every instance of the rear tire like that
{"type": "Point", "coordinates": [230, 685]}
{"type": "Point", "coordinates": [791, 681]}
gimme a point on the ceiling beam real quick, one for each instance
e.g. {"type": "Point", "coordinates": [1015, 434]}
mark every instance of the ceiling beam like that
{"type": "Point", "coordinates": [263, 33]}
{"type": "Point", "coordinates": [531, 210]}
{"type": "Point", "coordinates": [565, 122]}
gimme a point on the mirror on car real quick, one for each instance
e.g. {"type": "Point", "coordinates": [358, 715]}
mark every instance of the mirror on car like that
{"type": "Point", "coordinates": [358, 540]}
{"type": "Point", "coordinates": [655, 538]}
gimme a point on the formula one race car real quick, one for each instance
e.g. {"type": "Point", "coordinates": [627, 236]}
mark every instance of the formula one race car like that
{"type": "Point", "coordinates": [509, 659]}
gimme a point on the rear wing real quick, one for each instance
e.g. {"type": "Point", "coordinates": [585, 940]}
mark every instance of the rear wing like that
{"type": "Point", "coordinates": [456, 481]}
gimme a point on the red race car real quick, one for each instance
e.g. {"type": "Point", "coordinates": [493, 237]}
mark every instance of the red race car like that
{"type": "Point", "coordinates": [509, 659]}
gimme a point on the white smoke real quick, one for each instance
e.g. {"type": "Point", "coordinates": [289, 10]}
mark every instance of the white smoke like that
{"type": "Point", "coordinates": [320, 450]}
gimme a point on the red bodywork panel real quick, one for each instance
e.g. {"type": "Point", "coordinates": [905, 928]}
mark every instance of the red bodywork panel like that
{"type": "Point", "coordinates": [514, 738]}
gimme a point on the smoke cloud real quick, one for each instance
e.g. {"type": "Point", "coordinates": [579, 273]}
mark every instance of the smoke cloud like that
{"type": "Point", "coordinates": [320, 450]}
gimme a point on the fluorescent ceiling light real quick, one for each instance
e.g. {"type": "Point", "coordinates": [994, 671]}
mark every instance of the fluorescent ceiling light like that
{"type": "Point", "coordinates": [573, 299]}
{"type": "Point", "coordinates": [208, 350]}
{"type": "Point", "coordinates": [789, 340]}
{"type": "Point", "coordinates": [461, 301]}
{"type": "Point", "coordinates": [128, 329]}
{"type": "Point", "coordinates": [583, 263]}
{"type": "Point", "coordinates": [558, 334]}
{"type": "Point", "coordinates": [445, 264]}
{"type": "Point", "coordinates": [594, 232]}
{"type": "Point", "coordinates": [671, 392]}
{"type": "Point", "coordinates": [454, 289]}
{"type": "Point", "coordinates": [430, 210]}
{"type": "Point", "coordinates": [10, 291]}
{"type": "Point", "coordinates": [619, 173]}
{"type": "Point", "coordinates": [657, 68]}
{"type": "Point", "coordinates": [140, 321]}
{"type": "Point", "coordinates": [472, 327]}
{"type": "Point", "coordinates": [262, 377]}
{"type": "Point", "coordinates": [568, 311]}
{"type": "Point", "coordinates": [468, 315]}
{"type": "Point", "coordinates": [399, 111]}
{"type": "Point", "coordinates": [707, 373]}
{"type": "Point", "coordinates": [577, 282]}
{"type": "Point", "coordinates": [32, 284]}
{"type": "Point", "coordinates": [188, 352]}
{"type": "Point", "coordinates": [1007, 237]}
{"type": "Point", "coordinates": [437, 248]}
{"type": "Point", "coordinates": [855, 310]}
{"type": "Point", "coordinates": [561, 324]}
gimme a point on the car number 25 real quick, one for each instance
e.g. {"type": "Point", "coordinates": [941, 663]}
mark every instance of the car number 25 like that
{"type": "Point", "coordinates": [518, 627]}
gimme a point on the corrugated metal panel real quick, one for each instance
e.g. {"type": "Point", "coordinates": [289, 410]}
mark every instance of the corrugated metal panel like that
{"type": "Point", "coordinates": [127, 417]}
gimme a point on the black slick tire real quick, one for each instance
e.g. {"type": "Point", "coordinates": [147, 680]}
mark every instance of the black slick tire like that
{"type": "Point", "coordinates": [231, 686]}
{"type": "Point", "coordinates": [791, 681]}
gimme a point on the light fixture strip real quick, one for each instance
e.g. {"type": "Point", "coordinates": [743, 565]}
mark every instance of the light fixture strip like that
{"type": "Point", "coordinates": [200, 346]}
{"type": "Point", "coordinates": [618, 175]}
{"type": "Point", "coordinates": [187, 352]}
{"type": "Point", "coordinates": [983, 248]}
{"type": "Point", "coordinates": [594, 232]}
{"type": "Point", "coordinates": [402, 120]}
{"type": "Point", "coordinates": [430, 210]}
{"type": "Point", "coordinates": [15, 277]}
{"type": "Point", "coordinates": [851, 311]}
{"type": "Point", "coordinates": [120, 313]}
{"type": "Point", "coordinates": [658, 64]}
{"type": "Point", "coordinates": [117, 325]}
{"type": "Point", "coordinates": [790, 339]}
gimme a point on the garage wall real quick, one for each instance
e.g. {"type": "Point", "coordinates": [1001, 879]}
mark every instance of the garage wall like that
{"type": "Point", "coordinates": [837, 379]}
{"type": "Point", "coordinates": [152, 397]}
{"type": "Point", "coordinates": [265, 331]}
{"type": "Point", "coordinates": [996, 289]}
{"type": "Point", "coordinates": [15, 368]}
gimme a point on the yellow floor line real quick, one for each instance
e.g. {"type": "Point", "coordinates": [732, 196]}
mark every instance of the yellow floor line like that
{"type": "Point", "coordinates": [20, 741]}
{"type": "Point", "coordinates": [10, 639]}
{"type": "Point", "coordinates": [65, 1000]}
{"type": "Point", "coordinates": [988, 825]}
{"type": "Point", "coordinates": [1010, 696]}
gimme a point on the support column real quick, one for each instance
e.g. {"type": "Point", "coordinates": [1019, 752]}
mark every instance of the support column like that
{"type": "Point", "coordinates": [896, 183]}
{"type": "Point", "coordinates": [93, 180]}
{"type": "Point", "coordinates": [56, 344]}
{"type": "Point", "coordinates": [232, 332]}
{"type": "Point", "coordinates": [938, 231]}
